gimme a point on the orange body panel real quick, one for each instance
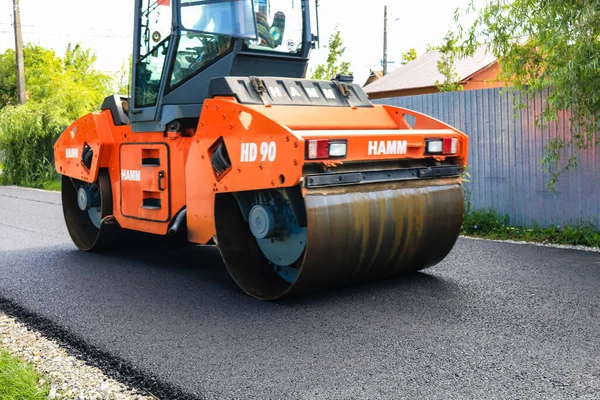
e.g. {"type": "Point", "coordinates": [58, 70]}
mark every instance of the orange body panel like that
{"type": "Point", "coordinates": [250, 138]}
{"type": "Point", "coordinates": [285, 129]}
{"type": "Point", "coordinates": [108, 142]}
{"type": "Point", "coordinates": [95, 130]}
{"type": "Point", "coordinates": [155, 175]}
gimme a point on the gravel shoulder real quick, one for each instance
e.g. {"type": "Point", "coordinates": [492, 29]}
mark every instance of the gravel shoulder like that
{"type": "Point", "coordinates": [537, 244]}
{"type": "Point", "coordinates": [69, 377]}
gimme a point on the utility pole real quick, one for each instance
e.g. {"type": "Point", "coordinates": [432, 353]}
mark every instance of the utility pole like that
{"type": "Point", "coordinates": [384, 40]}
{"type": "Point", "coordinates": [19, 53]}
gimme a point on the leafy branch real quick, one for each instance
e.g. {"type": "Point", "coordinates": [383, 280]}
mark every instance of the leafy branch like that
{"type": "Point", "coordinates": [334, 65]}
{"type": "Point", "coordinates": [544, 47]}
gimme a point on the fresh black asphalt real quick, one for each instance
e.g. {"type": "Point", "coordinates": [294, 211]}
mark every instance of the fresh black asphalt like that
{"type": "Point", "coordinates": [492, 321]}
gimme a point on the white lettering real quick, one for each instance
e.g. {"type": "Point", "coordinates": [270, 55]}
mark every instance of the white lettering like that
{"type": "Point", "coordinates": [253, 152]}
{"type": "Point", "coordinates": [329, 94]}
{"type": "Point", "coordinates": [72, 153]}
{"type": "Point", "coordinates": [264, 151]}
{"type": "Point", "coordinates": [249, 152]}
{"type": "Point", "coordinates": [295, 93]}
{"type": "Point", "coordinates": [131, 175]}
{"type": "Point", "coordinates": [402, 147]}
{"type": "Point", "coordinates": [268, 151]}
{"type": "Point", "coordinates": [275, 91]}
{"type": "Point", "coordinates": [272, 151]}
{"type": "Point", "coordinates": [312, 93]}
{"type": "Point", "coordinates": [245, 149]}
{"type": "Point", "coordinates": [389, 147]}
{"type": "Point", "coordinates": [372, 147]}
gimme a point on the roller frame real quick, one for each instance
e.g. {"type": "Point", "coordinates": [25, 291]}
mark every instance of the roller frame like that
{"type": "Point", "coordinates": [177, 177]}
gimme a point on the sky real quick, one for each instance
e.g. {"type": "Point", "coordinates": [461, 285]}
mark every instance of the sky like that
{"type": "Point", "coordinates": [107, 26]}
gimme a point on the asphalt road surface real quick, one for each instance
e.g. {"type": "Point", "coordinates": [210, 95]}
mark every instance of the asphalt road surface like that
{"type": "Point", "coordinates": [494, 320]}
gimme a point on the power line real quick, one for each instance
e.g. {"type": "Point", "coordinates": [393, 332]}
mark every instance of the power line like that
{"type": "Point", "coordinates": [69, 34]}
{"type": "Point", "coordinates": [78, 29]}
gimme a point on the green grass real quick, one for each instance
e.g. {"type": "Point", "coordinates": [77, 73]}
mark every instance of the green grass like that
{"type": "Point", "coordinates": [19, 380]}
{"type": "Point", "coordinates": [491, 225]}
{"type": "Point", "coordinates": [51, 185]}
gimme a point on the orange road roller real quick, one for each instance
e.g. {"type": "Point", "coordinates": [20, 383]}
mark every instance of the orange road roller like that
{"type": "Point", "coordinates": [302, 184]}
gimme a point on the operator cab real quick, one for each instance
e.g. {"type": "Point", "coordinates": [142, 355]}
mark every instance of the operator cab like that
{"type": "Point", "coordinates": [180, 45]}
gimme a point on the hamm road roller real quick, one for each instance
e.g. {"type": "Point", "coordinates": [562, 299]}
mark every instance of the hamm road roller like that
{"type": "Point", "coordinates": [301, 184]}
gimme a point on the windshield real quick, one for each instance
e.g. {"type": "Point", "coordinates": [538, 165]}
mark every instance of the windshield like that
{"type": "Point", "coordinates": [229, 18]}
{"type": "Point", "coordinates": [280, 24]}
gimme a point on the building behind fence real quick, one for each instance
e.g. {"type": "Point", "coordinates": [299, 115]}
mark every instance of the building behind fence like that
{"type": "Point", "coordinates": [504, 158]}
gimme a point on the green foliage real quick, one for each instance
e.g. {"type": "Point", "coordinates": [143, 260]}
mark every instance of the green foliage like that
{"type": "Point", "coordinates": [408, 56]}
{"type": "Point", "coordinates": [484, 222]}
{"type": "Point", "coordinates": [70, 84]}
{"type": "Point", "coordinates": [53, 185]}
{"type": "Point", "coordinates": [27, 136]}
{"type": "Point", "coordinates": [59, 91]}
{"type": "Point", "coordinates": [19, 380]}
{"type": "Point", "coordinates": [123, 78]}
{"type": "Point", "coordinates": [466, 175]}
{"type": "Point", "coordinates": [83, 88]}
{"type": "Point", "coordinates": [334, 65]}
{"type": "Point", "coordinates": [489, 224]}
{"type": "Point", "coordinates": [549, 45]}
{"type": "Point", "coordinates": [445, 66]}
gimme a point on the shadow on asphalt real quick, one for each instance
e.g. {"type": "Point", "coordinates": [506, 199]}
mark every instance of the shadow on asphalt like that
{"type": "Point", "coordinates": [203, 267]}
{"type": "Point", "coordinates": [204, 263]}
{"type": "Point", "coordinates": [408, 288]}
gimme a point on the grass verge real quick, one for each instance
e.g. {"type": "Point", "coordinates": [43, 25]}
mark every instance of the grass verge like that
{"type": "Point", "coordinates": [19, 380]}
{"type": "Point", "coordinates": [51, 185]}
{"type": "Point", "coordinates": [491, 225]}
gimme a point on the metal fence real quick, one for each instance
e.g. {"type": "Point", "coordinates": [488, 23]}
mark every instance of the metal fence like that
{"type": "Point", "coordinates": [505, 153]}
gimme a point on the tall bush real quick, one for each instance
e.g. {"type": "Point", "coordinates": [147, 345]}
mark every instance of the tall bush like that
{"type": "Point", "coordinates": [59, 91]}
{"type": "Point", "coordinates": [27, 137]}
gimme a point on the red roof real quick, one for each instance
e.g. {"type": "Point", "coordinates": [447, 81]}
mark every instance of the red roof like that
{"type": "Point", "coordinates": [423, 72]}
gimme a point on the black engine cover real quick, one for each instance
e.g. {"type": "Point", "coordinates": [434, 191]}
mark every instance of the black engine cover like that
{"type": "Point", "coordinates": [289, 91]}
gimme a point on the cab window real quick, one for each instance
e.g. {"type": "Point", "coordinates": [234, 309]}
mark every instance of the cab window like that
{"type": "Point", "coordinates": [155, 28]}
{"type": "Point", "coordinates": [280, 24]}
{"type": "Point", "coordinates": [195, 52]}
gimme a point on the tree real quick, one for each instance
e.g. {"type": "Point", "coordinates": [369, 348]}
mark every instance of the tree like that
{"type": "Point", "coordinates": [40, 66]}
{"type": "Point", "coordinates": [60, 90]}
{"type": "Point", "coordinates": [334, 65]}
{"type": "Point", "coordinates": [123, 77]}
{"type": "Point", "coordinates": [82, 88]}
{"type": "Point", "coordinates": [445, 66]}
{"type": "Point", "coordinates": [408, 56]}
{"type": "Point", "coordinates": [545, 46]}
{"type": "Point", "coordinates": [70, 85]}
